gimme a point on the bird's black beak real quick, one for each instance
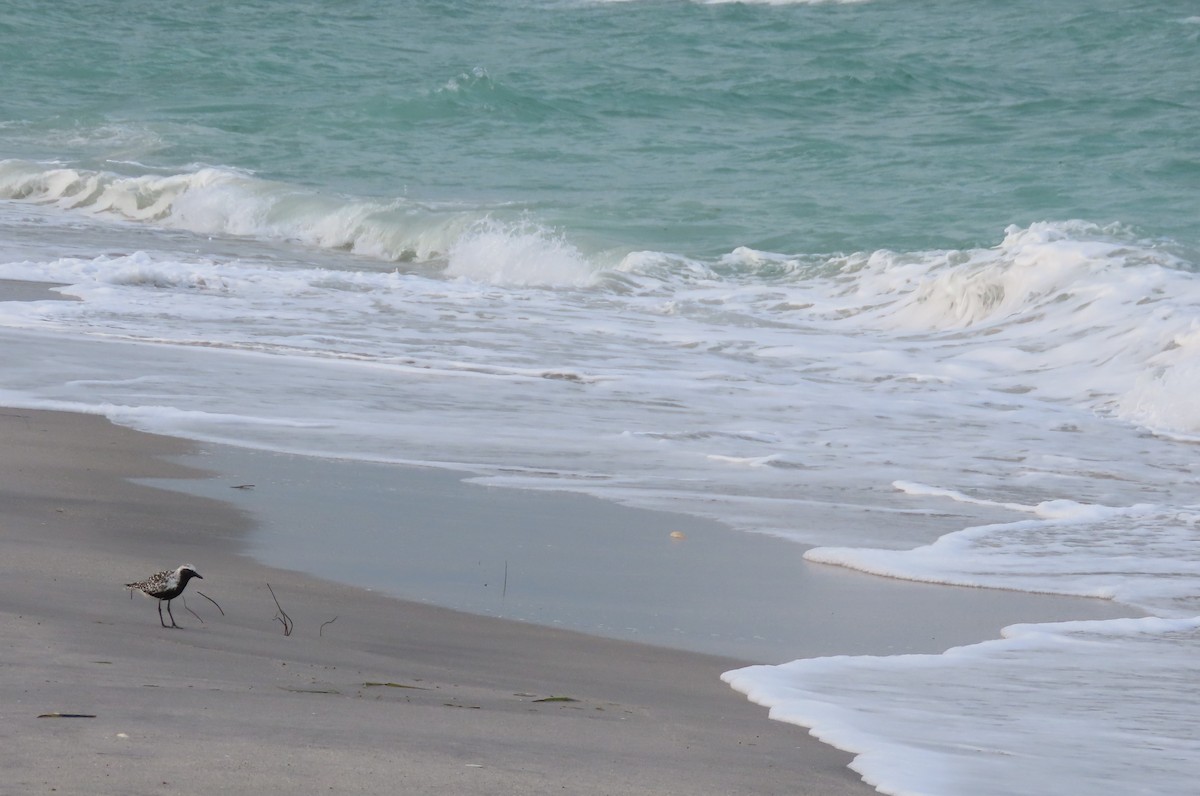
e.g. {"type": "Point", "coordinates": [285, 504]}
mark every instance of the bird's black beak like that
{"type": "Point", "coordinates": [196, 574]}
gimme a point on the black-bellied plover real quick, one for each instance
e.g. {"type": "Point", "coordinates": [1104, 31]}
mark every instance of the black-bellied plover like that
{"type": "Point", "coordinates": [166, 585]}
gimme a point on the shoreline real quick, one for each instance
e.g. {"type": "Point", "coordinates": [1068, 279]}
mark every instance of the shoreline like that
{"type": "Point", "coordinates": [372, 691]}
{"type": "Point", "coordinates": [590, 565]}
{"type": "Point", "coordinates": [369, 694]}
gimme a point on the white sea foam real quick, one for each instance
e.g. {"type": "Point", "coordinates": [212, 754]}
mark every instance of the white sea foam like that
{"type": "Point", "coordinates": [974, 416]}
{"type": "Point", "coordinates": [1097, 707]}
{"type": "Point", "coordinates": [520, 254]}
{"type": "Point", "coordinates": [1144, 555]}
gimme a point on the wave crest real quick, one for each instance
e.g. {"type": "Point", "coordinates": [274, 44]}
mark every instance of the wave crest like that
{"type": "Point", "coordinates": [228, 202]}
{"type": "Point", "coordinates": [517, 254]}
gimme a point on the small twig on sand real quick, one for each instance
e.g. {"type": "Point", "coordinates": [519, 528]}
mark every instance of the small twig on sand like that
{"type": "Point", "coordinates": [321, 629]}
{"type": "Point", "coordinates": [189, 610]}
{"type": "Point", "coordinates": [282, 616]}
{"type": "Point", "coordinates": [210, 599]}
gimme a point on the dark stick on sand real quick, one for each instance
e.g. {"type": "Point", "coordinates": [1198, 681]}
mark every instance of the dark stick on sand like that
{"type": "Point", "coordinates": [282, 616]}
{"type": "Point", "coordinates": [189, 610]}
{"type": "Point", "coordinates": [211, 600]}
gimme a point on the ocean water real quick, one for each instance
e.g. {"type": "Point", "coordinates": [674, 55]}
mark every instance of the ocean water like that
{"type": "Point", "coordinates": [754, 261]}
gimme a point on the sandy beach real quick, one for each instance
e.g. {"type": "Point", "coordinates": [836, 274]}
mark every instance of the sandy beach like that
{"type": "Point", "coordinates": [389, 696]}
{"type": "Point", "coordinates": [392, 697]}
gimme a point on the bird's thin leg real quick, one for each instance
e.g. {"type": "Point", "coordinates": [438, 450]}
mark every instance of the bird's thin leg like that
{"type": "Point", "coordinates": [160, 619]}
{"type": "Point", "coordinates": [171, 614]}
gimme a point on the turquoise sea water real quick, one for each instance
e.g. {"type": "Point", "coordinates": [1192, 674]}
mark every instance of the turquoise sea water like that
{"type": "Point", "coordinates": [671, 126]}
{"type": "Point", "coordinates": [835, 272]}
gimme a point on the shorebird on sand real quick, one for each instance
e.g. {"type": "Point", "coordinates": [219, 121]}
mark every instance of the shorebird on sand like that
{"type": "Point", "coordinates": [166, 585]}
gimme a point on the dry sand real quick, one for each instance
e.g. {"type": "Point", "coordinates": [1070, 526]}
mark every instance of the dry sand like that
{"type": "Point", "coordinates": [392, 697]}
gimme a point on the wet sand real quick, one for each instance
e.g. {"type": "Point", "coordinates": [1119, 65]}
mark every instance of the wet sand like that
{"type": "Point", "coordinates": [369, 694]}
{"type": "Point", "coordinates": [585, 564]}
